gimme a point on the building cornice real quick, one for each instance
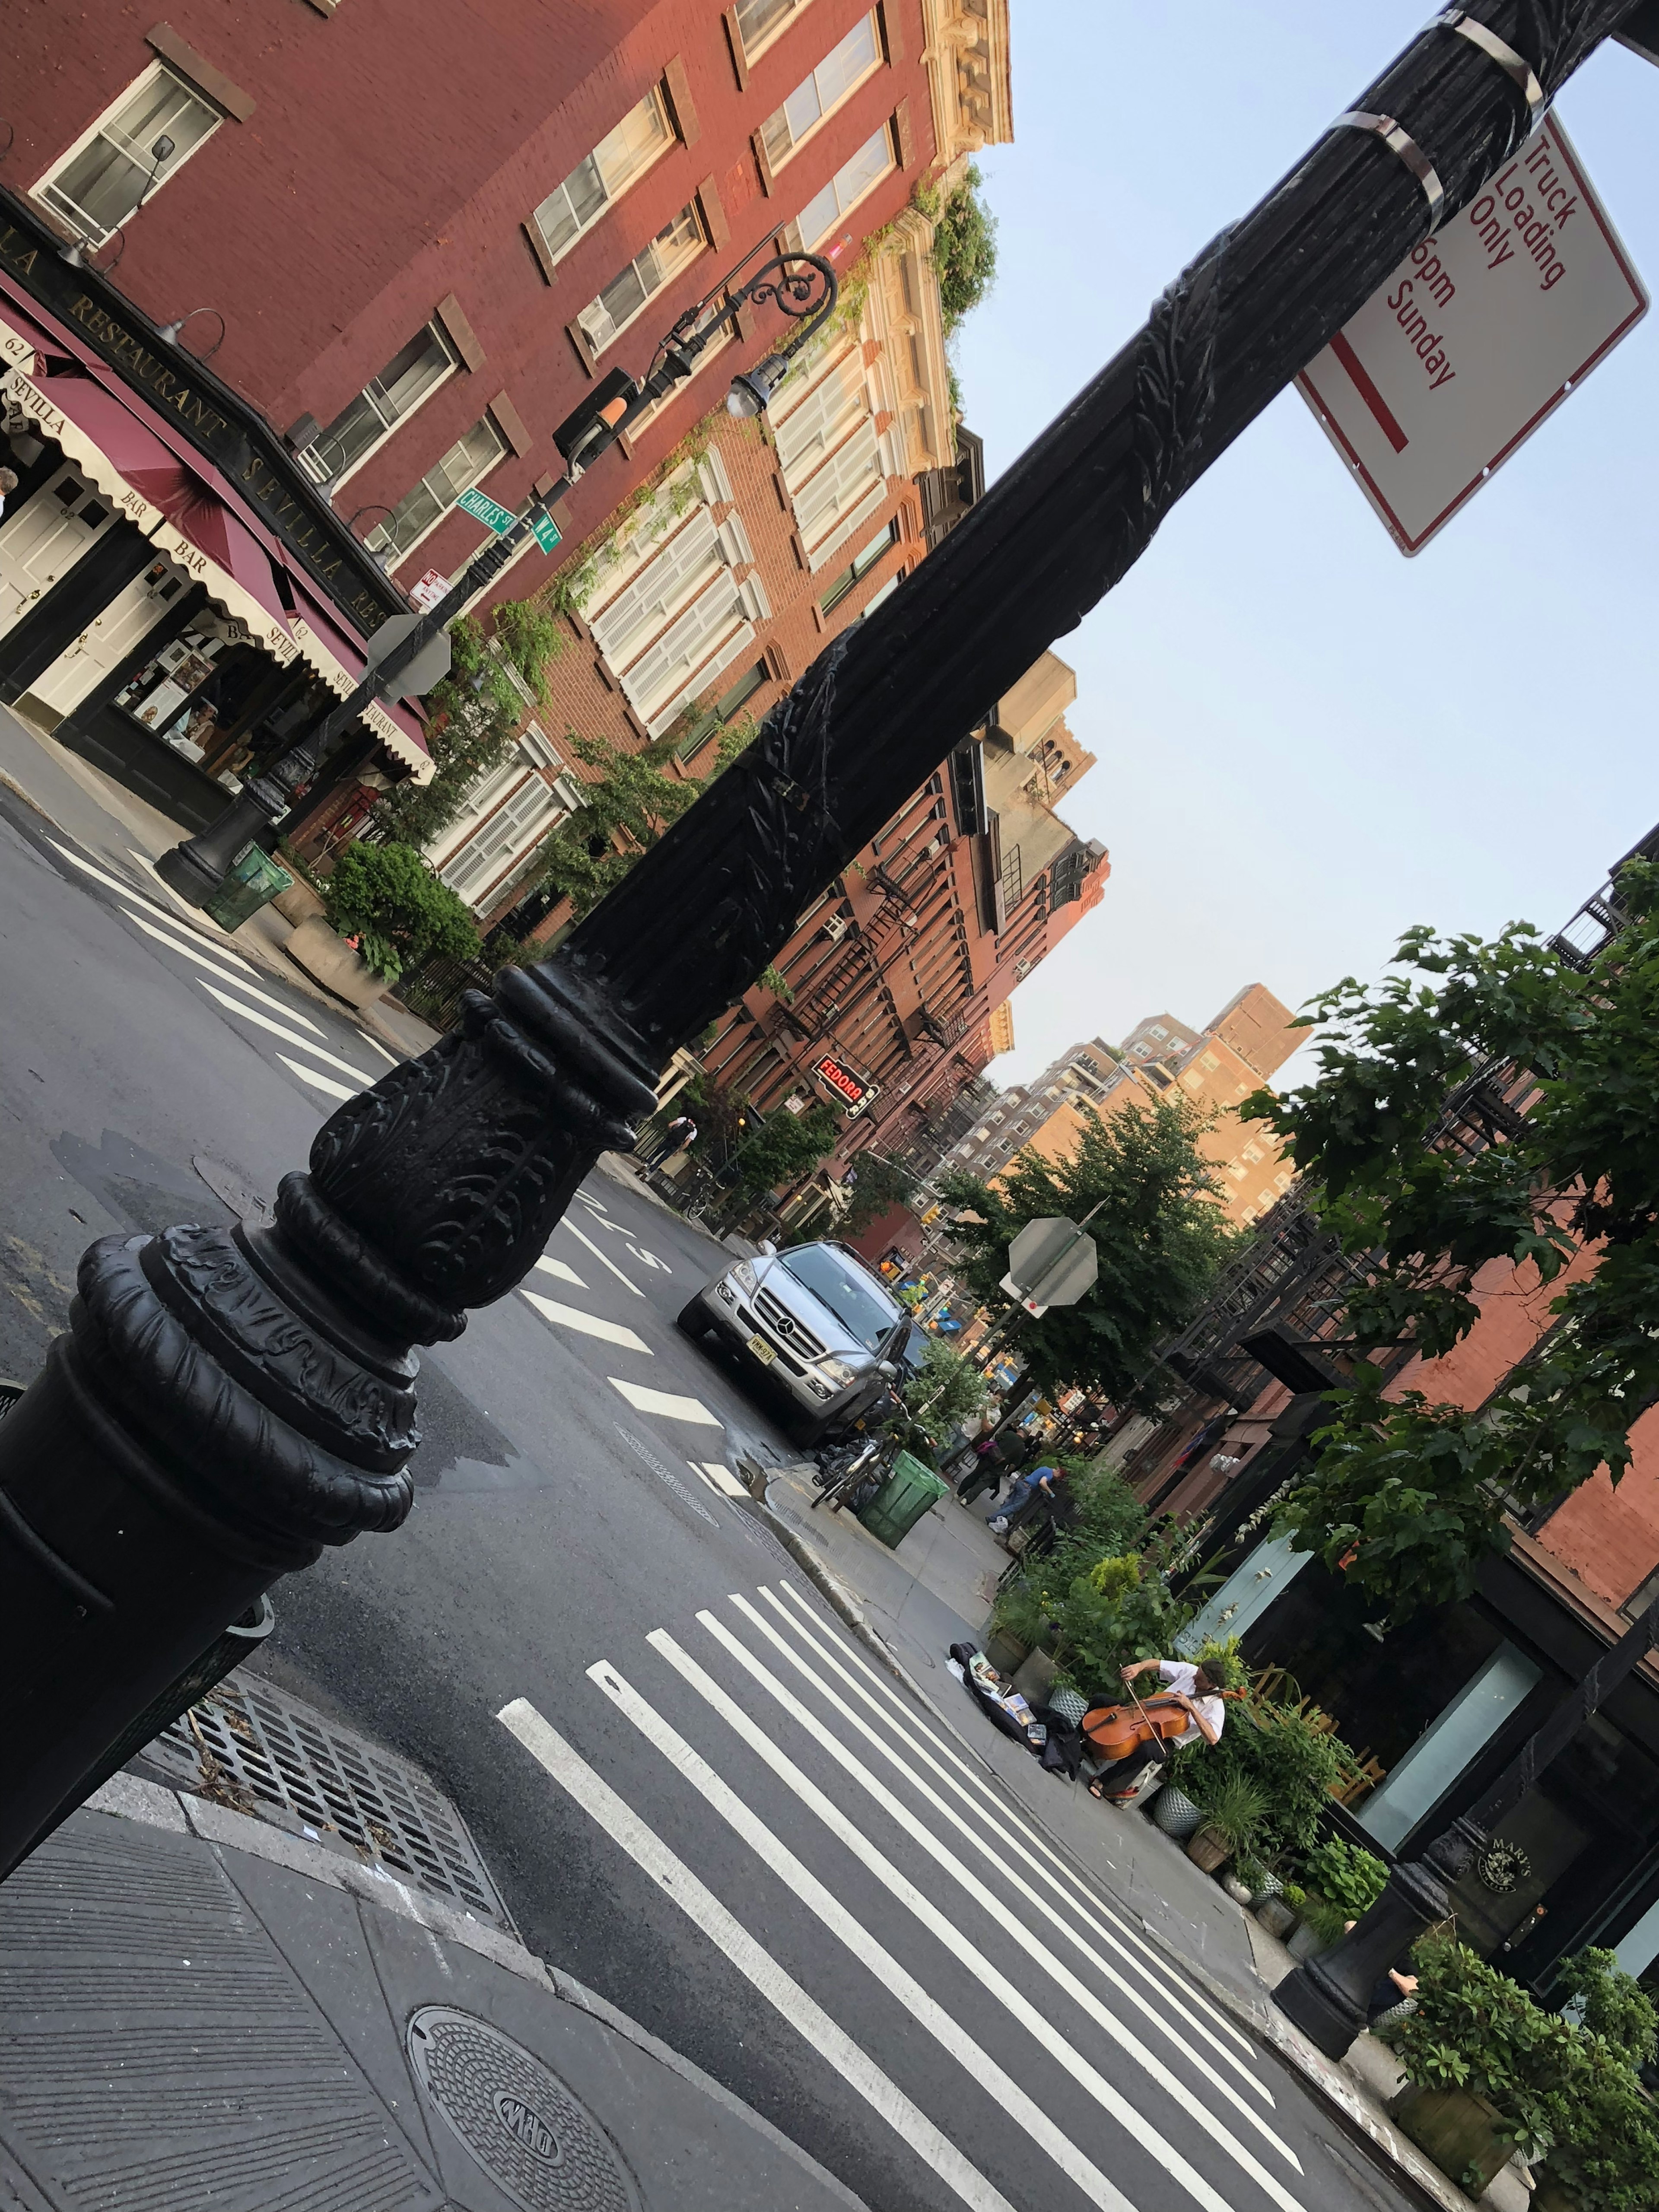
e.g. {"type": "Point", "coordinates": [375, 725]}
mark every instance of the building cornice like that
{"type": "Point", "coordinates": [969, 76]}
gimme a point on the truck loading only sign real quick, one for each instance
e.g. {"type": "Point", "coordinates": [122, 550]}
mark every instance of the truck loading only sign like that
{"type": "Point", "coordinates": [1479, 334]}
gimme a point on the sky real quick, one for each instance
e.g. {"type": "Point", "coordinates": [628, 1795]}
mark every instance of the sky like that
{"type": "Point", "coordinates": [1305, 742]}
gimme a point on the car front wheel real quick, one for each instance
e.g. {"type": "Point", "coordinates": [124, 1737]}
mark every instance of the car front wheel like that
{"type": "Point", "coordinates": [693, 1319]}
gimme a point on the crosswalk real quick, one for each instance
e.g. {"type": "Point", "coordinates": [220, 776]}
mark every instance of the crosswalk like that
{"type": "Point", "coordinates": [228, 980]}
{"type": "Point", "coordinates": [891, 1872]}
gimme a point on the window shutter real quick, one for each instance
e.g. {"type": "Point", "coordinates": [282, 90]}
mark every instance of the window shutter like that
{"type": "Point", "coordinates": [714, 214]}
{"type": "Point", "coordinates": [906, 135]}
{"type": "Point", "coordinates": [892, 29]}
{"type": "Point", "coordinates": [673, 574]}
{"type": "Point", "coordinates": [734, 47]}
{"type": "Point", "coordinates": [825, 493]}
{"type": "Point", "coordinates": [583, 351]}
{"type": "Point", "coordinates": [680, 102]}
{"type": "Point", "coordinates": [461, 333]}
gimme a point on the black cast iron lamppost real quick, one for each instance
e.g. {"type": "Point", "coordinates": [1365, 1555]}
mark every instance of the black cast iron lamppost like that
{"type": "Point", "coordinates": [225, 1402]}
{"type": "Point", "coordinates": [803, 286]}
{"type": "Point", "coordinates": [1330, 1998]}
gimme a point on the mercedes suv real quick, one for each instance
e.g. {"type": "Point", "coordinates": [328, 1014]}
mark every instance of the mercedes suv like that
{"type": "Point", "coordinates": [813, 1324]}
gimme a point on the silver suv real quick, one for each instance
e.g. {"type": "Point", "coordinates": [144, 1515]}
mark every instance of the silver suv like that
{"type": "Point", "coordinates": [814, 1322]}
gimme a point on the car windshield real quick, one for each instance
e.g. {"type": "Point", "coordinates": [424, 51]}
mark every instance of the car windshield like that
{"type": "Point", "coordinates": [849, 1295]}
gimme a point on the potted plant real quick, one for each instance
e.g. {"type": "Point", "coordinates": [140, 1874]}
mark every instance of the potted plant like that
{"type": "Point", "coordinates": [383, 911]}
{"type": "Point", "coordinates": [1605, 2157]}
{"type": "Point", "coordinates": [1233, 1812]}
{"type": "Point", "coordinates": [1019, 1625]}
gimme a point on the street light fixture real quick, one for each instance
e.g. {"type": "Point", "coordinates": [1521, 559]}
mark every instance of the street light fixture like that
{"type": "Point", "coordinates": [225, 1403]}
{"type": "Point", "coordinates": [802, 286]}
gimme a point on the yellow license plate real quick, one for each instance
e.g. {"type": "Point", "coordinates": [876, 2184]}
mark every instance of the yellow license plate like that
{"type": "Point", "coordinates": [763, 1351]}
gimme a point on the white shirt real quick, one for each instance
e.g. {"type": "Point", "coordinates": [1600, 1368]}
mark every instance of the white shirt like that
{"type": "Point", "coordinates": [1182, 1674]}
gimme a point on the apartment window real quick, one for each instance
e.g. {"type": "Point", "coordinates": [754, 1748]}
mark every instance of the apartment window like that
{"type": "Point", "coordinates": [408, 380]}
{"type": "Point", "coordinates": [848, 185]}
{"type": "Point", "coordinates": [760, 21]}
{"type": "Point", "coordinates": [517, 824]}
{"type": "Point", "coordinates": [679, 241]}
{"type": "Point", "coordinates": [726, 709]}
{"type": "Point", "coordinates": [107, 177]}
{"type": "Point", "coordinates": [620, 159]}
{"type": "Point", "coordinates": [473, 456]}
{"type": "Point", "coordinates": [843, 70]}
{"type": "Point", "coordinates": [882, 591]}
{"type": "Point", "coordinates": [860, 567]}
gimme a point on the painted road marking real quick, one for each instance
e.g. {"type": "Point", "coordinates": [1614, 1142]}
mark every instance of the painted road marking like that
{"type": "Point", "coordinates": [1035, 1947]}
{"type": "Point", "coordinates": [549, 1266]}
{"type": "Point", "coordinates": [1177, 1994]}
{"type": "Point", "coordinates": [390, 1058]}
{"type": "Point", "coordinates": [193, 953]}
{"type": "Point", "coordinates": [603, 1258]}
{"type": "Point", "coordinates": [326, 1084]}
{"type": "Point", "coordinates": [664, 1474]}
{"type": "Point", "coordinates": [586, 1324]}
{"type": "Point", "coordinates": [114, 883]}
{"type": "Point", "coordinates": [990, 2081]}
{"type": "Point", "coordinates": [1012, 2000]}
{"type": "Point", "coordinates": [663, 1402]}
{"type": "Point", "coordinates": [716, 1472]}
{"type": "Point", "coordinates": [289, 1036]}
{"type": "Point", "coordinates": [704, 1909]}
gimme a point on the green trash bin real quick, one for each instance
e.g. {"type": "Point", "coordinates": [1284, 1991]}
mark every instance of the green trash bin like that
{"type": "Point", "coordinates": [903, 1499]}
{"type": "Point", "coordinates": [254, 880]}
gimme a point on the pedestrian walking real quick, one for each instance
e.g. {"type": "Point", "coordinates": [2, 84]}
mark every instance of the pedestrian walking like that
{"type": "Point", "coordinates": [1041, 1482]}
{"type": "Point", "coordinates": [1190, 1686]}
{"type": "Point", "coordinates": [678, 1137]}
{"type": "Point", "coordinates": [987, 1471]}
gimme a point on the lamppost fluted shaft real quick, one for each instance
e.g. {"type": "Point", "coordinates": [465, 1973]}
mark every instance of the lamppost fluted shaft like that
{"type": "Point", "coordinates": [246, 1396]}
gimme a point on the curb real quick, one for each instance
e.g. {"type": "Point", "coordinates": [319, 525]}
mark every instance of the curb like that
{"type": "Point", "coordinates": [126, 1796]}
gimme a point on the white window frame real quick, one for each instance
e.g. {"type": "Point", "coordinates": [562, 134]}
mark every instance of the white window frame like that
{"type": "Point", "coordinates": [387, 429]}
{"type": "Point", "coordinates": [86, 229]}
{"type": "Point", "coordinates": [790, 17]}
{"type": "Point", "coordinates": [777, 162]}
{"type": "Point", "coordinates": [398, 554]}
{"type": "Point", "coordinates": [694, 212]}
{"type": "Point", "coordinates": [797, 236]}
{"type": "Point", "coordinates": [486, 874]}
{"type": "Point", "coordinates": [656, 99]}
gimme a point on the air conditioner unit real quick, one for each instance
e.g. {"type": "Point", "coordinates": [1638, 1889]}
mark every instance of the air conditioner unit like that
{"type": "Point", "coordinates": [836, 928]}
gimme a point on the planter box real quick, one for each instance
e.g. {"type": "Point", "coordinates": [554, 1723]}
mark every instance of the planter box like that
{"type": "Point", "coordinates": [1307, 1942]}
{"type": "Point", "coordinates": [1005, 1653]}
{"type": "Point", "coordinates": [330, 961]}
{"type": "Point", "coordinates": [1035, 1674]}
{"type": "Point", "coordinates": [1459, 2132]}
{"type": "Point", "coordinates": [298, 904]}
{"type": "Point", "coordinates": [1209, 1849]}
{"type": "Point", "coordinates": [1277, 1918]}
{"type": "Point", "coordinates": [1552, 2192]}
{"type": "Point", "coordinates": [1175, 1813]}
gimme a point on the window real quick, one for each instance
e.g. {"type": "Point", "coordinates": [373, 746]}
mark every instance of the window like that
{"type": "Point", "coordinates": [473, 455]}
{"type": "Point", "coordinates": [860, 567]}
{"type": "Point", "coordinates": [1210, 1061]}
{"type": "Point", "coordinates": [882, 591]}
{"type": "Point", "coordinates": [150, 131]}
{"type": "Point", "coordinates": [843, 70]}
{"type": "Point", "coordinates": [679, 241]}
{"type": "Point", "coordinates": [726, 709]}
{"type": "Point", "coordinates": [620, 159]}
{"type": "Point", "coordinates": [517, 824]}
{"type": "Point", "coordinates": [407, 379]}
{"type": "Point", "coordinates": [760, 21]}
{"type": "Point", "coordinates": [849, 185]}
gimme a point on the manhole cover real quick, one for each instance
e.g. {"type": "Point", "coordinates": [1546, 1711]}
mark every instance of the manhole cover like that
{"type": "Point", "coordinates": [534, 2138]}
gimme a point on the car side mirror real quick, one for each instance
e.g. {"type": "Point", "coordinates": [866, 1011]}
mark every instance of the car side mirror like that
{"type": "Point", "coordinates": [887, 1370]}
{"type": "Point", "coordinates": [769, 1249]}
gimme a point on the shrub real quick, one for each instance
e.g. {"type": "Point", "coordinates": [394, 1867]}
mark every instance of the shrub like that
{"type": "Point", "coordinates": [1612, 2003]}
{"type": "Point", "coordinates": [964, 250]}
{"type": "Point", "coordinates": [1292, 1763]}
{"type": "Point", "coordinates": [388, 898]}
{"type": "Point", "coordinates": [1235, 1810]}
{"type": "Point", "coordinates": [1104, 1624]}
{"type": "Point", "coordinates": [1352, 1879]}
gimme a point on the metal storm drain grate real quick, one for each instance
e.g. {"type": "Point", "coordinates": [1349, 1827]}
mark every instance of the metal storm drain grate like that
{"type": "Point", "coordinates": [533, 2136]}
{"type": "Point", "coordinates": [251, 1745]}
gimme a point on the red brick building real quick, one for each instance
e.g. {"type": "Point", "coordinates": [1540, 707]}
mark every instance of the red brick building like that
{"type": "Point", "coordinates": [400, 244]}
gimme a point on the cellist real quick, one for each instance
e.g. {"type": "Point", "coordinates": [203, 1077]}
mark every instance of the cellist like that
{"type": "Point", "coordinates": [1190, 1686]}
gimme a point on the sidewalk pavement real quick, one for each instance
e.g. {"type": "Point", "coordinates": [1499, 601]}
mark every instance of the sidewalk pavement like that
{"type": "Point", "coordinates": [936, 1591]}
{"type": "Point", "coordinates": [82, 802]}
{"type": "Point", "coordinates": [202, 2010]}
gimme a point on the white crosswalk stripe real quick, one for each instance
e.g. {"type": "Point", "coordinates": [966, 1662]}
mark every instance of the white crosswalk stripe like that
{"type": "Point", "coordinates": [1014, 1834]}
{"type": "Point", "coordinates": [671, 1407]}
{"type": "Point", "coordinates": [798, 2010]}
{"type": "Point", "coordinates": [586, 1324]}
{"type": "Point", "coordinates": [604, 1258]}
{"type": "Point", "coordinates": [161, 913]}
{"type": "Point", "coordinates": [557, 1269]}
{"type": "Point", "coordinates": [214, 967]}
{"type": "Point", "coordinates": [326, 1084]}
{"type": "Point", "coordinates": [928, 2013]}
{"type": "Point", "coordinates": [290, 1036]}
{"type": "Point", "coordinates": [719, 1476]}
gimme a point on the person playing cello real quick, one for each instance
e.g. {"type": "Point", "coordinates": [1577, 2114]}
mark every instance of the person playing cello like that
{"type": "Point", "coordinates": [1195, 1692]}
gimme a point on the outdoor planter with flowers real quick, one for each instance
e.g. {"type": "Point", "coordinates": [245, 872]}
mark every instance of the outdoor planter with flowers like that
{"type": "Point", "coordinates": [383, 911]}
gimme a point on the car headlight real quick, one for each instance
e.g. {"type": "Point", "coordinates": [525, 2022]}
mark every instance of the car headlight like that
{"type": "Point", "coordinates": [838, 1372]}
{"type": "Point", "coordinates": [743, 1275]}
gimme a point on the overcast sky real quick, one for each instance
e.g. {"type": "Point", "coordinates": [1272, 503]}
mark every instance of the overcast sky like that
{"type": "Point", "coordinates": [1306, 741]}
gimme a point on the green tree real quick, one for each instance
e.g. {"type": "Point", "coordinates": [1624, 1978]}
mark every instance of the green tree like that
{"type": "Point", "coordinates": [476, 714]}
{"type": "Point", "coordinates": [388, 899]}
{"type": "Point", "coordinates": [630, 801]}
{"type": "Point", "coordinates": [879, 1185]}
{"type": "Point", "coordinates": [1408, 1496]}
{"type": "Point", "coordinates": [964, 250]}
{"type": "Point", "coordinates": [947, 1395]}
{"type": "Point", "coordinates": [783, 1147]}
{"type": "Point", "coordinates": [1160, 1235]}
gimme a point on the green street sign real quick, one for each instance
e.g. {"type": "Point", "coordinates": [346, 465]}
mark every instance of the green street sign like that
{"type": "Point", "coordinates": [546, 530]}
{"type": "Point", "coordinates": [479, 504]}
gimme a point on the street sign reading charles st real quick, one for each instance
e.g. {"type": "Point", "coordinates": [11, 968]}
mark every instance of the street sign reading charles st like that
{"type": "Point", "coordinates": [1479, 334]}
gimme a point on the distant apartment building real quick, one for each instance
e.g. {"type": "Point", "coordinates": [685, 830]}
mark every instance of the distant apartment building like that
{"type": "Point", "coordinates": [1159, 1058]}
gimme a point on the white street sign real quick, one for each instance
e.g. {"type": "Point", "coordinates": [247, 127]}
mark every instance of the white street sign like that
{"type": "Point", "coordinates": [1050, 1263]}
{"type": "Point", "coordinates": [1479, 334]}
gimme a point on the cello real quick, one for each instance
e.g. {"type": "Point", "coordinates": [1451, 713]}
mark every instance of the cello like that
{"type": "Point", "coordinates": [1114, 1731]}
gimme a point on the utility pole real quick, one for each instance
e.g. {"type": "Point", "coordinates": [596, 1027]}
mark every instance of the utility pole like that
{"type": "Point", "coordinates": [225, 1402]}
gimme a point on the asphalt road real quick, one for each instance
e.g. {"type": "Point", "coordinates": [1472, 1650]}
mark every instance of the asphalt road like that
{"type": "Point", "coordinates": [704, 1802]}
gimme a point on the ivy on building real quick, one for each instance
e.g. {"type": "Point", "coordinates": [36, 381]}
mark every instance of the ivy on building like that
{"type": "Point", "coordinates": [964, 250]}
{"type": "Point", "coordinates": [476, 714]}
